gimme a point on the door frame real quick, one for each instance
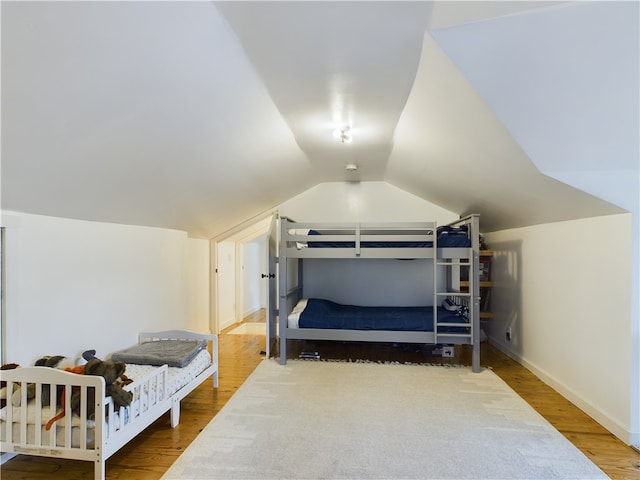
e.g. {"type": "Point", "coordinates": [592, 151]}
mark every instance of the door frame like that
{"type": "Point", "coordinates": [243, 233]}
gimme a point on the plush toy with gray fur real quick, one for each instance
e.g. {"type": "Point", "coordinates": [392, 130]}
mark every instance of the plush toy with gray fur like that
{"type": "Point", "coordinates": [110, 371]}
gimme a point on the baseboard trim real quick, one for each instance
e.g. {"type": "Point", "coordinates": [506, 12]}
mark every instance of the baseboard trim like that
{"type": "Point", "coordinates": [607, 422]}
{"type": "Point", "coordinates": [227, 323]}
{"type": "Point", "coordinates": [251, 312]}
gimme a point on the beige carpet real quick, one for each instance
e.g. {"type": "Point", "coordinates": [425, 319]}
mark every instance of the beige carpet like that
{"type": "Point", "coordinates": [249, 328]}
{"type": "Point", "coordinates": [332, 420]}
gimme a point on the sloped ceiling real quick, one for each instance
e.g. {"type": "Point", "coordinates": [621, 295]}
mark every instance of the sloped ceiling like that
{"type": "Point", "coordinates": [199, 115]}
{"type": "Point", "coordinates": [568, 90]}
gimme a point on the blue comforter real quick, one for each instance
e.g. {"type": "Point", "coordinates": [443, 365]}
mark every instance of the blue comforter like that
{"type": "Point", "coordinates": [448, 237]}
{"type": "Point", "coordinates": [320, 313]}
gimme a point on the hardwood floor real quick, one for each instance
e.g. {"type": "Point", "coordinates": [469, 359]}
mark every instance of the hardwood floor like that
{"type": "Point", "coordinates": [150, 454]}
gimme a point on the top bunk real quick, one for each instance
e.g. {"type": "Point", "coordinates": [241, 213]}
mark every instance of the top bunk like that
{"type": "Point", "coordinates": [380, 240]}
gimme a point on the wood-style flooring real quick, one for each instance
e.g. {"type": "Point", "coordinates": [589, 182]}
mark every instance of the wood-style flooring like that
{"type": "Point", "coordinates": [150, 454]}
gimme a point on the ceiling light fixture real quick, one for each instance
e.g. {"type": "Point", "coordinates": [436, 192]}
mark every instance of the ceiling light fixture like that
{"type": "Point", "coordinates": [343, 134]}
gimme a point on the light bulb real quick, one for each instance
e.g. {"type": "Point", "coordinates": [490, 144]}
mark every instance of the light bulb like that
{"type": "Point", "coordinates": [342, 134]}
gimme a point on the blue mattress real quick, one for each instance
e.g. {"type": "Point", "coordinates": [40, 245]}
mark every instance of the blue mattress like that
{"type": "Point", "coordinates": [320, 313]}
{"type": "Point", "coordinates": [448, 237]}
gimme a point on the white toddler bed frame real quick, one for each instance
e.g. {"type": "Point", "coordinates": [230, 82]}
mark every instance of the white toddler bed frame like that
{"type": "Point", "coordinates": [210, 371]}
{"type": "Point", "coordinates": [79, 437]}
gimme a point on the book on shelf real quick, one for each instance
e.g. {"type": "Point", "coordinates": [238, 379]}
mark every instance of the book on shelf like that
{"type": "Point", "coordinates": [485, 299]}
{"type": "Point", "coordinates": [485, 269]}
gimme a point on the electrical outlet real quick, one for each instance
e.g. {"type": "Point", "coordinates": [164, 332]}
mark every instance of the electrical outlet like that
{"type": "Point", "coordinates": [508, 335]}
{"type": "Point", "coordinates": [448, 351]}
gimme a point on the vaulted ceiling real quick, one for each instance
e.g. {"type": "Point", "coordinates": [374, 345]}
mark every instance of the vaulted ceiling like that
{"type": "Point", "coordinates": [200, 115]}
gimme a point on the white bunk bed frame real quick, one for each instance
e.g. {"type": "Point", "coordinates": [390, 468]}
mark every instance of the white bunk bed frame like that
{"type": "Point", "coordinates": [70, 436]}
{"type": "Point", "coordinates": [451, 260]}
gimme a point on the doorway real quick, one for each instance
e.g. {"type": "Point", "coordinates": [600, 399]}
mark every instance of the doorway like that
{"type": "Point", "coordinates": [253, 263]}
{"type": "Point", "coordinates": [241, 259]}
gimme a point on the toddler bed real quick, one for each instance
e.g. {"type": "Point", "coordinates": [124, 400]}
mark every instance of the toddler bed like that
{"type": "Point", "coordinates": [96, 430]}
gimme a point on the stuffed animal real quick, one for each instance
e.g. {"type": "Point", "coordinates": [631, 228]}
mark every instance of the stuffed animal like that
{"type": "Point", "coordinates": [110, 371]}
{"type": "Point", "coordinates": [122, 380]}
{"type": "Point", "coordinates": [56, 361]}
{"type": "Point", "coordinates": [3, 384]}
{"type": "Point", "coordinates": [79, 370]}
{"type": "Point", "coordinates": [89, 354]}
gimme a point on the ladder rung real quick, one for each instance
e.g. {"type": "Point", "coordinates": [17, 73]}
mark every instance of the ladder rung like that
{"type": "Point", "coordinates": [454, 294]}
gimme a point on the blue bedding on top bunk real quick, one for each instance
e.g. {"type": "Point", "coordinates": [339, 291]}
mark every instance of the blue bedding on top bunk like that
{"type": "Point", "coordinates": [448, 237]}
{"type": "Point", "coordinates": [320, 313]}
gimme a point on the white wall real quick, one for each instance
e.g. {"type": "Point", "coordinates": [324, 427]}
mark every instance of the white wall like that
{"type": "Point", "coordinates": [380, 282]}
{"type": "Point", "coordinates": [74, 285]}
{"type": "Point", "coordinates": [361, 202]}
{"type": "Point", "coordinates": [198, 285]}
{"type": "Point", "coordinates": [226, 284]}
{"type": "Point", "coordinates": [253, 265]}
{"type": "Point", "coordinates": [565, 291]}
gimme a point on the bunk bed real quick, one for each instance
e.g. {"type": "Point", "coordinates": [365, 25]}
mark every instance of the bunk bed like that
{"type": "Point", "coordinates": [452, 318]}
{"type": "Point", "coordinates": [95, 429]}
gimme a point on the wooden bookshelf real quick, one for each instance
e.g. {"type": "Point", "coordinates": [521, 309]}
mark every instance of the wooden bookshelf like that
{"type": "Point", "coordinates": [486, 284]}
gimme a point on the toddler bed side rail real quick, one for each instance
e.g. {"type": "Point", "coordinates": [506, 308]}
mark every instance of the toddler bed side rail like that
{"type": "Point", "coordinates": [34, 396]}
{"type": "Point", "coordinates": [210, 371]}
{"type": "Point", "coordinates": [150, 400]}
{"type": "Point", "coordinates": [91, 429]}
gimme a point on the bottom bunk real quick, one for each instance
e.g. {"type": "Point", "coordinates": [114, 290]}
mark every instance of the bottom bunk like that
{"type": "Point", "coordinates": [57, 413]}
{"type": "Point", "coordinates": [320, 319]}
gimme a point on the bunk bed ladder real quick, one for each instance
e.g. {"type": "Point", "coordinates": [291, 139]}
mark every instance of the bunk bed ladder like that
{"type": "Point", "coordinates": [474, 290]}
{"type": "Point", "coordinates": [452, 292]}
{"type": "Point", "coordinates": [469, 297]}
